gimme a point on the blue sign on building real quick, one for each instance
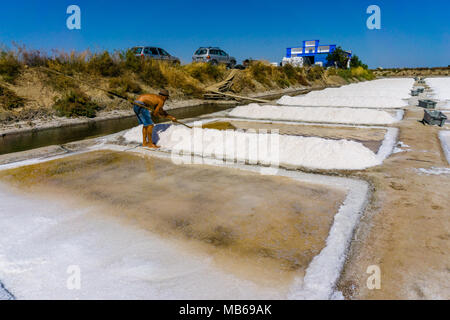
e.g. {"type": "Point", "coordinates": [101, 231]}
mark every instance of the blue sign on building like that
{"type": "Point", "coordinates": [312, 52]}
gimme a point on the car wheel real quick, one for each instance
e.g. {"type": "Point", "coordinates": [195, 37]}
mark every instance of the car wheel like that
{"type": "Point", "coordinates": [214, 62]}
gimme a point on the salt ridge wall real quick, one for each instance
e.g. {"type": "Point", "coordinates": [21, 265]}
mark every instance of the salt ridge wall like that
{"type": "Point", "coordinates": [317, 114]}
{"type": "Point", "coordinates": [383, 93]}
{"type": "Point", "coordinates": [440, 86]}
{"type": "Point", "coordinates": [445, 141]}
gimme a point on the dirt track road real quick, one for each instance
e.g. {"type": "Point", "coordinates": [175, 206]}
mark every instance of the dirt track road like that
{"type": "Point", "coordinates": [406, 229]}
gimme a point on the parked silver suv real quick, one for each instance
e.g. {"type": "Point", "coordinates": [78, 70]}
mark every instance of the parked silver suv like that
{"type": "Point", "coordinates": [214, 56]}
{"type": "Point", "coordinates": [155, 53]}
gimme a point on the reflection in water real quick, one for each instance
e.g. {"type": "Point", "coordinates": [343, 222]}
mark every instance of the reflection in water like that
{"type": "Point", "coordinates": [261, 227]}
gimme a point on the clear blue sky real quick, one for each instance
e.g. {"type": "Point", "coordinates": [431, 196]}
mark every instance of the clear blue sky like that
{"type": "Point", "coordinates": [414, 33]}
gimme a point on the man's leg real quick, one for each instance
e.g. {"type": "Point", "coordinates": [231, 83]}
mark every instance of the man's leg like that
{"type": "Point", "coordinates": [144, 136]}
{"type": "Point", "coordinates": [149, 137]}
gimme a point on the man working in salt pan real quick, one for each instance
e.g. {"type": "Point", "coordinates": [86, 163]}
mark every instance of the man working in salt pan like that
{"type": "Point", "coordinates": [153, 103]}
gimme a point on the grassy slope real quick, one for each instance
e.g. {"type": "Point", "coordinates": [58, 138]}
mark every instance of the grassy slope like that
{"type": "Point", "coordinates": [43, 94]}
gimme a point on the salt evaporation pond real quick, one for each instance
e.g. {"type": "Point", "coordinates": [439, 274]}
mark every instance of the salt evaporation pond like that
{"type": "Point", "coordinates": [265, 148]}
{"type": "Point", "coordinates": [441, 91]}
{"type": "Point", "coordinates": [141, 227]}
{"type": "Point", "coordinates": [382, 93]}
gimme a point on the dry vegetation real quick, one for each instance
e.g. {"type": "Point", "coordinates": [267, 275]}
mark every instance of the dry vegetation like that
{"type": "Point", "coordinates": [25, 86]}
{"type": "Point", "coordinates": [412, 72]}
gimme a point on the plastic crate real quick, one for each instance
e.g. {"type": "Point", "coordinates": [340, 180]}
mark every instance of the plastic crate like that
{"type": "Point", "coordinates": [427, 104]}
{"type": "Point", "coordinates": [420, 89]}
{"type": "Point", "coordinates": [414, 93]}
{"type": "Point", "coordinates": [434, 117]}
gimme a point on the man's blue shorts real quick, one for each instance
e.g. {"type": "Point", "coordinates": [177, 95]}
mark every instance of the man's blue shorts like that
{"type": "Point", "coordinates": [143, 115]}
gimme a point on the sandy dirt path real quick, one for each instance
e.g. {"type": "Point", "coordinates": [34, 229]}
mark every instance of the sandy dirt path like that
{"type": "Point", "coordinates": [406, 229]}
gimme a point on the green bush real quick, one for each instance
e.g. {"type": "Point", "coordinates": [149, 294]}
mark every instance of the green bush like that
{"type": "Point", "coordinates": [243, 82]}
{"type": "Point", "coordinates": [295, 74]}
{"type": "Point", "coordinates": [289, 71]}
{"type": "Point", "coordinates": [33, 58]}
{"type": "Point", "coordinates": [346, 74]}
{"type": "Point", "coordinates": [124, 85]}
{"type": "Point", "coordinates": [76, 103]}
{"type": "Point", "coordinates": [9, 100]}
{"type": "Point", "coordinates": [315, 73]}
{"type": "Point", "coordinates": [151, 74]}
{"type": "Point", "coordinates": [338, 56]}
{"type": "Point", "coordinates": [130, 61]}
{"type": "Point", "coordinates": [261, 72]}
{"type": "Point", "coordinates": [104, 65]}
{"type": "Point", "coordinates": [359, 73]}
{"type": "Point", "coordinates": [10, 66]}
{"type": "Point", "coordinates": [59, 82]}
{"type": "Point", "coordinates": [205, 72]}
{"type": "Point", "coordinates": [189, 89]}
{"type": "Point", "coordinates": [356, 62]}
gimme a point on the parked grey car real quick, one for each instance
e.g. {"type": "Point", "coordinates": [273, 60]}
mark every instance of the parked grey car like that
{"type": "Point", "coordinates": [155, 53]}
{"type": "Point", "coordinates": [213, 55]}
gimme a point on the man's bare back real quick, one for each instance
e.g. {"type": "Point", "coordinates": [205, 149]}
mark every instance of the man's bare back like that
{"type": "Point", "coordinates": [155, 103]}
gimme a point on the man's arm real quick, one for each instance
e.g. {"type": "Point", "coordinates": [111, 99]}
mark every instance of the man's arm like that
{"type": "Point", "coordinates": [159, 112]}
{"type": "Point", "coordinates": [158, 108]}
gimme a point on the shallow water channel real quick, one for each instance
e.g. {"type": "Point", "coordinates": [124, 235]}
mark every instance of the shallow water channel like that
{"type": "Point", "coordinates": [54, 136]}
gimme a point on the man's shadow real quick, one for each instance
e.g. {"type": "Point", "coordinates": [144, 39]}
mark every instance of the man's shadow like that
{"type": "Point", "coordinates": [158, 129]}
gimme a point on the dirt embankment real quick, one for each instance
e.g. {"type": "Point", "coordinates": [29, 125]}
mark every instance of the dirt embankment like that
{"type": "Point", "coordinates": [406, 230]}
{"type": "Point", "coordinates": [28, 103]}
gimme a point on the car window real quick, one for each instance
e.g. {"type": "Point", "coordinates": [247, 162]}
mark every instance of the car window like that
{"type": "Point", "coordinates": [163, 52]}
{"type": "Point", "coordinates": [137, 50]}
{"type": "Point", "coordinates": [153, 51]}
{"type": "Point", "coordinates": [213, 51]}
{"type": "Point", "coordinates": [200, 52]}
{"type": "Point", "coordinates": [223, 53]}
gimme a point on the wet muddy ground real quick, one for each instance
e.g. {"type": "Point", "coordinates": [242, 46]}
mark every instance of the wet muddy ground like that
{"type": "Point", "coordinates": [265, 229]}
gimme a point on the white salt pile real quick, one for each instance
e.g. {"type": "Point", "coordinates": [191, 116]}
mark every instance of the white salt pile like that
{"type": "Point", "coordinates": [316, 114]}
{"type": "Point", "coordinates": [383, 93]}
{"type": "Point", "coordinates": [441, 89]}
{"type": "Point", "coordinates": [445, 141]}
{"type": "Point", "coordinates": [266, 149]}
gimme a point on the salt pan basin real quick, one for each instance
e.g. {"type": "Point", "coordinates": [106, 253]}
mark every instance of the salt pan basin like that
{"type": "Point", "coordinates": [137, 227]}
{"type": "Point", "coordinates": [264, 148]}
{"type": "Point", "coordinates": [441, 89]}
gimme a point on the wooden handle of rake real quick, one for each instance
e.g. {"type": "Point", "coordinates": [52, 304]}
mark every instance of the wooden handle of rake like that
{"type": "Point", "coordinates": [184, 124]}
